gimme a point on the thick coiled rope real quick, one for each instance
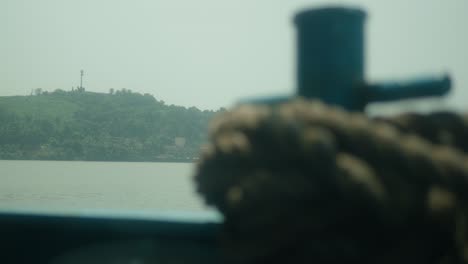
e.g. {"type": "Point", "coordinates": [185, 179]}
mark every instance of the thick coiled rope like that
{"type": "Point", "coordinates": [445, 128]}
{"type": "Point", "coordinates": [303, 182]}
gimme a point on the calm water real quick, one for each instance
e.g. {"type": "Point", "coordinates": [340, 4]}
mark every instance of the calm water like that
{"type": "Point", "coordinates": [84, 187]}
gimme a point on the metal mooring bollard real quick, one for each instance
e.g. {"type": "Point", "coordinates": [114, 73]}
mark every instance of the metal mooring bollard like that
{"type": "Point", "coordinates": [330, 63]}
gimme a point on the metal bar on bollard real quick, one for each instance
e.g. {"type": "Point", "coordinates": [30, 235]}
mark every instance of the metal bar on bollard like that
{"type": "Point", "coordinates": [391, 91]}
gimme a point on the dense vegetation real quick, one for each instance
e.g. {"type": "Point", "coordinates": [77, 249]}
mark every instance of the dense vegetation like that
{"type": "Point", "coordinates": [118, 126]}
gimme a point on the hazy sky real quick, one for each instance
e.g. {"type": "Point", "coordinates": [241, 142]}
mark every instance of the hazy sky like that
{"type": "Point", "coordinates": [210, 53]}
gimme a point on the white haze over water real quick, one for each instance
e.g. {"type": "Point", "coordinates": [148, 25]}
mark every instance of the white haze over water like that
{"type": "Point", "coordinates": [211, 53]}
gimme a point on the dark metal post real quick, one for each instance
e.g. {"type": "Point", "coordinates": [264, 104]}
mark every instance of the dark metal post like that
{"type": "Point", "coordinates": [330, 55]}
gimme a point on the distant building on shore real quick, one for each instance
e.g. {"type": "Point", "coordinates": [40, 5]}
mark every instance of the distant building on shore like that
{"type": "Point", "coordinates": [179, 142]}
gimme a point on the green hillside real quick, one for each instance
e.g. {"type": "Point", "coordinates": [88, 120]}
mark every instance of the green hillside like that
{"type": "Point", "coordinates": [40, 106]}
{"type": "Point", "coordinates": [79, 125]}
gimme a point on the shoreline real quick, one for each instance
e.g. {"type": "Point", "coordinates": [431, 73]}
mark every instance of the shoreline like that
{"type": "Point", "coordinates": [132, 161]}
